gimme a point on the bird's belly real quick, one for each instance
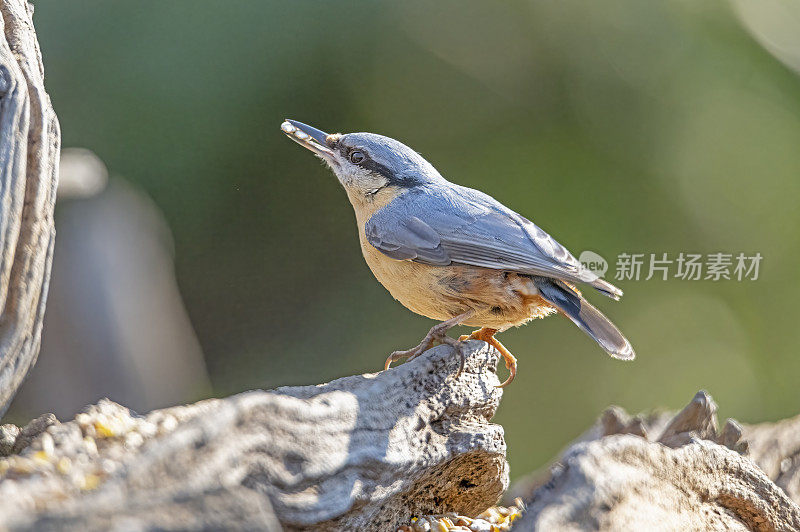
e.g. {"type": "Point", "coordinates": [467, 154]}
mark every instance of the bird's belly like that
{"type": "Point", "coordinates": [499, 299]}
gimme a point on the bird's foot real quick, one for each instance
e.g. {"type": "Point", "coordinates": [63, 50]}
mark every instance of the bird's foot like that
{"type": "Point", "coordinates": [487, 335]}
{"type": "Point", "coordinates": [484, 334]}
{"type": "Point", "coordinates": [438, 333]}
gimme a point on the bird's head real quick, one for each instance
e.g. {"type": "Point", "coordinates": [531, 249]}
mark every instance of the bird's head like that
{"type": "Point", "coordinates": [368, 166]}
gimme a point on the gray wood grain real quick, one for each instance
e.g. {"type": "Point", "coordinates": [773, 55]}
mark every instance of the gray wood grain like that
{"type": "Point", "coordinates": [670, 472]}
{"type": "Point", "coordinates": [365, 452]}
{"type": "Point", "coordinates": [29, 148]}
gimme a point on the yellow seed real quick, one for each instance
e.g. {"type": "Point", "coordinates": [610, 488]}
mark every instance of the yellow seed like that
{"type": "Point", "coordinates": [480, 525]}
{"type": "Point", "coordinates": [47, 443]}
{"type": "Point", "coordinates": [41, 457]}
{"type": "Point", "coordinates": [89, 482]}
{"type": "Point", "coordinates": [64, 465]}
{"type": "Point", "coordinates": [103, 430]}
{"type": "Point", "coordinates": [90, 445]}
{"type": "Point", "coordinates": [490, 515]}
{"type": "Point", "coordinates": [22, 465]}
{"type": "Point", "coordinates": [422, 525]}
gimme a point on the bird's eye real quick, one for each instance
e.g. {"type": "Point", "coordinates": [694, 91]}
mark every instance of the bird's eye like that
{"type": "Point", "coordinates": [357, 157]}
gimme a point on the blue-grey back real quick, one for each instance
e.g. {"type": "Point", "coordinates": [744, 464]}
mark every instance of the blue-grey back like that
{"type": "Point", "coordinates": [442, 223]}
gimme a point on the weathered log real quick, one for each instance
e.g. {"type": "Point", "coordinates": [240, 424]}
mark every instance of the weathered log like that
{"type": "Point", "coordinates": [775, 447]}
{"type": "Point", "coordinates": [29, 148]}
{"type": "Point", "coordinates": [624, 482]}
{"type": "Point", "coordinates": [681, 473]}
{"type": "Point", "coordinates": [360, 453]}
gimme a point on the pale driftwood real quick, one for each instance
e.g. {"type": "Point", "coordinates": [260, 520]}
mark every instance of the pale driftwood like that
{"type": "Point", "coordinates": [681, 472]}
{"type": "Point", "coordinates": [360, 453]}
{"type": "Point", "coordinates": [29, 148]}
{"type": "Point", "coordinates": [775, 447]}
{"type": "Point", "coordinates": [625, 482]}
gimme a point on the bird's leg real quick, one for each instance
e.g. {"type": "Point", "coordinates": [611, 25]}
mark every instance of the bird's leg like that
{"type": "Point", "coordinates": [437, 333]}
{"type": "Point", "coordinates": [487, 335]}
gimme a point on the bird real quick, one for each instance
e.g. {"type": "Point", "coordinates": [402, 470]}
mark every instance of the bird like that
{"type": "Point", "coordinates": [455, 254]}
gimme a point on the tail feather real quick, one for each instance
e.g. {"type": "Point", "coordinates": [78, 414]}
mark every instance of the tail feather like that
{"type": "Point", "coordinates": [585, 316]}
{"type": "Point", "coordinates": [607, 289]}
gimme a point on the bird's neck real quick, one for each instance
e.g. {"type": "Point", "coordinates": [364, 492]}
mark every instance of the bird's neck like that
{"type": "Point", "coordinates": [367, 205]}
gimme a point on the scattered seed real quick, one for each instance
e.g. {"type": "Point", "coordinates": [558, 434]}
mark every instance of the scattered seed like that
{"type": "Point", "coordinates": [495, 519]}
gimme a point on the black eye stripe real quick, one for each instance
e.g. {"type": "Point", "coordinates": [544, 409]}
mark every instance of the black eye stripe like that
{"type": "Point", "coordinates": [377, 168]}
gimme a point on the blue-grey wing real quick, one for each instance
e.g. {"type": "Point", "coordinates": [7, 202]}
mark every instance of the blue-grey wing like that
{"type": "Point", "coordinates": [406, 238]}
{"type": "Point", "coordinates": [452, 224]}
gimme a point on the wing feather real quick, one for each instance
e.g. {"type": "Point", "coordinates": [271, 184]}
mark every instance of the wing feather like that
{"type": "Point", "coordinates": [441, 225]}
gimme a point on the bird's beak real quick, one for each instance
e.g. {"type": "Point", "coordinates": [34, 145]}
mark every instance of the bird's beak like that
{"type": "Point", "coordinates": [308, 137]}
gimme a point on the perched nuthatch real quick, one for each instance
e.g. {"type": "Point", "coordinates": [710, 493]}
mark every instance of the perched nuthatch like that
{"type": "Point", "coordinates": [452, 253]}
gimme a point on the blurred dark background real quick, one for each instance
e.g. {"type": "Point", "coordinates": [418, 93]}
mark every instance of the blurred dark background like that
{"type": "Point", "coordinates": [616, 126]}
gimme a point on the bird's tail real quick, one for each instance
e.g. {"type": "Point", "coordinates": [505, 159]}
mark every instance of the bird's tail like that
{"type": "Point", "coordinates": [569, 301]}
{"type": "Point", "coordinates": [606, 288]}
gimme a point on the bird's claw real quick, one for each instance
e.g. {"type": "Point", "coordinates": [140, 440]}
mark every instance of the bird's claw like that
{"type": "Point", "coordinates": [410, 354]}
{"type": "Point", "coordinates": [438, 333]}
{"type": "Point", "coordinates": [438, 336]}
{"type": "Point", "coordinates": [487, 335]}
{"type": "Point", "coordinates": [458, 346]}
{"type": "Point", "coordinates": [413, 353]}
{"type": "Point", "coordinates": [511, 365]}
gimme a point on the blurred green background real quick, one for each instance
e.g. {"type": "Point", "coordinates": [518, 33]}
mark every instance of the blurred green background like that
{"type": "Point", "coordinates": [617, 126]}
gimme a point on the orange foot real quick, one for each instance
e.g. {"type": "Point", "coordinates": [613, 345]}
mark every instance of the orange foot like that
{"type": "Point", "coordinates": [486, 334]}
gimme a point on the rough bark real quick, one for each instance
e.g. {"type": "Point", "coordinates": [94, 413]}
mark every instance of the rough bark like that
{"type": "Point", "coordinates": [29, 148]}
{"type": "Point", "coordinates": [365, 452]}
{"type": "Point", "coordinates": [668, 472]}
{"type": "Point", "coordinates": [775, 447]}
